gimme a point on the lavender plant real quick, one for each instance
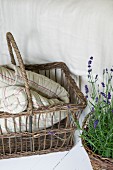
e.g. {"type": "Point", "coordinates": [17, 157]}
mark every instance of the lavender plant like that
{"type": "Point", "coordinates": [99, 132]}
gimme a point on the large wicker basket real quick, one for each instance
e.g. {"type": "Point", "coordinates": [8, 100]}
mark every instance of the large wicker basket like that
{"type": "Point", "coordinates": [98, 162]}
{"type": "Point", "coordinates": [58, 137]}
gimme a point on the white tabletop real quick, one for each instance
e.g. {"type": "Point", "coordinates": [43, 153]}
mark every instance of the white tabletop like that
{"type": "Point", "coordinates": [75, 159]}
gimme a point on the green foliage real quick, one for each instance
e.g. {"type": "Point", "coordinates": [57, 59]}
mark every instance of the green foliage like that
{"type": "Point", "coordinates": [99, 131]}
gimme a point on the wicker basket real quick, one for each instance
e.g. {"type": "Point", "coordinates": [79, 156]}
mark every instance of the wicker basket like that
{"type": "Point", "coordinates": [58, 137]}
{"type": "Point", "coordinates": [98, 162]}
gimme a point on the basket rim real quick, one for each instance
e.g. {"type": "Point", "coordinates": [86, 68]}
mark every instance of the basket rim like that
{"type": "Point", "coordinates": [63, 107]}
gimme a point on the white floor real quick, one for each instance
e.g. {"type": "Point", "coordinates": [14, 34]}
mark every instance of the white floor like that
{"type": "Point", "coordinates": [75, 159]}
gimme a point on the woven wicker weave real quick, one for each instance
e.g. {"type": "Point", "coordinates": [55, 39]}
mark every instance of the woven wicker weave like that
{"type": "Point", "coordinates": [98, 162]}
{"type": "Point", "coordinates": [58, 137]}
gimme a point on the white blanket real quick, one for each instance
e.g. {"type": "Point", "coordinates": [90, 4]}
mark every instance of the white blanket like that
{"type": "Point", "coordinates": [59, 30]}
{"type": "Point", "coordinates": [40, 83]}
{"type": "Point", "coordinates": [13, 99]}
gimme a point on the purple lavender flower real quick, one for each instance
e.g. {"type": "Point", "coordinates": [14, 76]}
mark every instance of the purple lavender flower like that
{"type": "Point", "coordinates": [89, 76]}
{"type": "Point", "coordinates": [103, 94]}
{"type": "Point", "coordinates": [96, 100]}
{"type": "Point", "coordinates": [109, 95]}
{"type": "Point", "coordinates": [89, 62]}
{"type": "Point", "coordinates": [91, 58]}
{"type": "Point", "coordinates": [86, 89]}
{"type": "Point", "coordinates": [92, 110]}
{"type": "Point", "coordinates": [106, 70]}
{"type": "Point", "coordinates": [68, 107]}
{"type": "Point", "coordinates": [96, 76]}
{"type": "Point", "coordinates": [103, 85]}
{"type": "Point", "coordinates": [86, 96]}
{"type": "Point", "coordinates": [96, 123]}
{"type": "Point", "coordinates": [89, 66]}
{"type": "Point", "coordinates": [90, 70]}
{"type": "Point", "coordinates": [112, 111]}
{"type": "Point", "coordinates": [51, 133]}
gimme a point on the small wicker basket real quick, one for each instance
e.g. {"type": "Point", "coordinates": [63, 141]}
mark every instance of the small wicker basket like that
{"type": "Point", "coordinates": [98, 162]}
{"type": "Point", "coordinates": [58, 137]}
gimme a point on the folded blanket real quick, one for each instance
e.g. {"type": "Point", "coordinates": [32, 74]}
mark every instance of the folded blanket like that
{"type": "Point", "coordinates": [13, 99]}
{"type": "Point", "coordinates": [40, 83]}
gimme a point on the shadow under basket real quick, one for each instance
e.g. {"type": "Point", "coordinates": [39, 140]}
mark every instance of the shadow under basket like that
{"type": "Point", "coordinates": [98, 162]}
{"type": "Point", "coordinates": [57, 137]}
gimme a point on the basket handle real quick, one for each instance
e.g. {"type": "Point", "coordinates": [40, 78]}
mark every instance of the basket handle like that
{"type": "Point", "coordinates": [11, 43]}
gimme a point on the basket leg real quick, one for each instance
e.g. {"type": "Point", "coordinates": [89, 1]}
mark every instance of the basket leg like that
{"type": "Point", "coordinates": [30, 130]}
